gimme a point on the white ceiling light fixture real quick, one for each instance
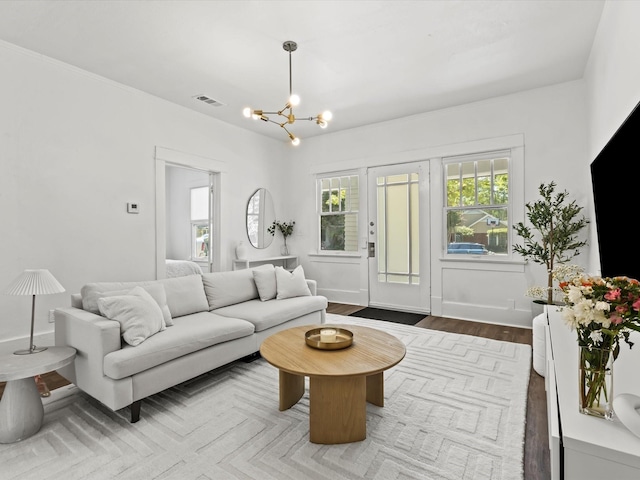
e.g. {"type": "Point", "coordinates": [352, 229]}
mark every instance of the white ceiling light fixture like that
{"type": "Point", "coordinates": [287, 112]}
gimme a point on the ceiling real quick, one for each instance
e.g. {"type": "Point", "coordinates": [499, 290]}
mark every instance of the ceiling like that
{"type": "Point", "coordinates": [366, 61]}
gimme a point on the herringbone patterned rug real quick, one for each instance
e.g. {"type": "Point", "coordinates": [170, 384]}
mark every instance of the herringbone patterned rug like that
{"type": "Point", "coordinates": [454, 409]}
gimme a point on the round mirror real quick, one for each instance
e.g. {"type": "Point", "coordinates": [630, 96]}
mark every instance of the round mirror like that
{"type": "Point", "coordinates": [260, 215]}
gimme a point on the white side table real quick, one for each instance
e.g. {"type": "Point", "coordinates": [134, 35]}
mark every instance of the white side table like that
{"type": "Point", "coordinates": [21, 409]}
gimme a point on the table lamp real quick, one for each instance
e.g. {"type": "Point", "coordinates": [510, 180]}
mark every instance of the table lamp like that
{"type": "Point", "coordinates": [34, 282]}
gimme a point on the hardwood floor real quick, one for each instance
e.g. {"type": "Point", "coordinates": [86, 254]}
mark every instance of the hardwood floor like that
{"type": "Point", "coordinates": [536, 447]}
{"type": "Point", "coordinates": [536, 443]}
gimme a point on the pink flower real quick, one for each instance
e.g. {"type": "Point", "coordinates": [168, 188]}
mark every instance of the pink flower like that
{"type": "Point", "coordinates": [616, 319]}
{"type": "Point", "coordinates": [636, 305]}
{"type": "Point", "coordinates": [622, 309]}
{"type": "Point", "coordinates": [612, 295]}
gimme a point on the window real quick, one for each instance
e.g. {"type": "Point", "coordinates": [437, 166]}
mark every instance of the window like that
{"type": "Point", "coordinates": [477, 204]}
{"type": "Point", "coordinates": [339, 198]}
{"type": "Point", "coordinates": [200, 223]}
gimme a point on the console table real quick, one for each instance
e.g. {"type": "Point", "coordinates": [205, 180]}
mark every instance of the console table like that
{"type": "Point", "coordinates": [582, 446]}
{"type": "Point", "coordinates": [288, 262]}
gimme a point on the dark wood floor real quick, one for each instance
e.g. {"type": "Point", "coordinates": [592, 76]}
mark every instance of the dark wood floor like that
{"type": "Point", "coordinates": [536, 446]}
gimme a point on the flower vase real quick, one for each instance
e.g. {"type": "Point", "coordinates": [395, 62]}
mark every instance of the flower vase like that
{"type": "Point", "coordinates": [595, 382]}
{"type": "Point", "coordinates": [284, 250]}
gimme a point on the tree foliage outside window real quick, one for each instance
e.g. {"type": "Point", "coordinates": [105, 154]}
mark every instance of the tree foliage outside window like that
{"type": "Point", "coordinates": [477, 201]}
{"type": "Point", "coordinates": [339, 198]}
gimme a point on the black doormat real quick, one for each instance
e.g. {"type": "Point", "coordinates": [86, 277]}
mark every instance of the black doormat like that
{"type": "Point", "coordinates": [389, 315]}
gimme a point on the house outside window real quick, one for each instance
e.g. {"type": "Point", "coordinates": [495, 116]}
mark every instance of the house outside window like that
{"type": "Point", "coordinates": [200, 223]}
{"type": "Point", "coordinates": [338, 199]}
{"type": "Point", "coordinates": [477, 204]}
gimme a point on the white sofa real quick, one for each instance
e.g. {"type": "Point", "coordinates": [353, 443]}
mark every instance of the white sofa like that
{"type": "Point", "coordinates": [212, 319]}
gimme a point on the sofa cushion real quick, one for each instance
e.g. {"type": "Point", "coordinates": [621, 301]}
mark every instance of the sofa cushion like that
{"type": "Point", "coordinates": [137, 312]}
{"type": "Point", "coordinates": [265, 278]}
{"type": "Point", "coordinates": [273, 312]}
{"type": "Point", "coordinates": [91, 292]}
{"type": "Point", "coordinates": [291, 284]}
{"type": "Point", "coordinates": [185, 295]}
{"type": "Point", "coordinates": [228, 288]}
{"type": "Point", "coordinates": [189, 333]}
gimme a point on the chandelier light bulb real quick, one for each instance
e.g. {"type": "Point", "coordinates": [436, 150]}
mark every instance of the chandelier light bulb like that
{"type": "Point", "coordinates": [247, 112]}
{"type": "Point", "coordinates": [322, 123]}
{"type": "Point", "coordinates": [294, 140]}
{"type": "Point", "coordinates": [294, 100]}
{"type": "Point", "coordinates": [327, 115]}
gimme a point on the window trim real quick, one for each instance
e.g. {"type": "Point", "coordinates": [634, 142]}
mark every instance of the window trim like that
{"type": "Point", "coordinates": [350, 211]}
{"type": "Point", "coordinates": [476, 157]}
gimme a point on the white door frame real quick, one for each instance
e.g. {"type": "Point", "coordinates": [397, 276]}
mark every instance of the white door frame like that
{"type": "Point", "coordinates": [414, 298]}
{"type": "Point", "coordinates": [215, 168]}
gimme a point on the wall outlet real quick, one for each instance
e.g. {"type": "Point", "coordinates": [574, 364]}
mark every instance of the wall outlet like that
{"type": "Point", "coordinates": [133, 207]}
{"type": "Point", "coordinates": [52, 318]}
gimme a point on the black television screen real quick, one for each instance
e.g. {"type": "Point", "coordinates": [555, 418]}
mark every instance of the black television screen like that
{"type": "Point", "coordinates": [615, 176]}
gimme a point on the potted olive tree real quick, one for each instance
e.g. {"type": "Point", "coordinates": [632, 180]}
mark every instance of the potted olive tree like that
{"type": "Point", "coordinates": [553, 238]}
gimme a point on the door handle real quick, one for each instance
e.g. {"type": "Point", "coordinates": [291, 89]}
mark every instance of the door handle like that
{"type": "Point", "coordinates": [372, 250]}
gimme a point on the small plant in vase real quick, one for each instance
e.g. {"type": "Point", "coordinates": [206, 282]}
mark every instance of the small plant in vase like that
{"type": "Point", "coordinates": [286, 229]}
{"type": "Point", "coordinates": [553, 240]}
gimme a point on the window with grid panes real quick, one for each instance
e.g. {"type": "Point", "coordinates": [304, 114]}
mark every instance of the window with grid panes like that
{"type": "Point", "coordinates": [338, 199]}
{"type": "Point", "coordinates": [477, 204]}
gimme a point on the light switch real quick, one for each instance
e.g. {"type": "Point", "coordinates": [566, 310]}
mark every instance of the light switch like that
{"type": "Point", "coordinates": [133, 207]}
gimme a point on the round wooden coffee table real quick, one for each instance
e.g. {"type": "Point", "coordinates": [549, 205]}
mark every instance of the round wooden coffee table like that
{"type": "Point", "coordinates": [341, 382]}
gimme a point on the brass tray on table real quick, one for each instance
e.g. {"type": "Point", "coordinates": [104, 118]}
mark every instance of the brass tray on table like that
{"type": "Point", "coordinates": [324, 339]}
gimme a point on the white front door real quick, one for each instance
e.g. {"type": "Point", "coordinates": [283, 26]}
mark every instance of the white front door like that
{"type": "Point", "coordinates": [398, 237]}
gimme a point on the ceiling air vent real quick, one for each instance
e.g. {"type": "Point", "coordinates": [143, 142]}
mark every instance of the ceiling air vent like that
{"type": "Point", "coordinates": [208, 100]}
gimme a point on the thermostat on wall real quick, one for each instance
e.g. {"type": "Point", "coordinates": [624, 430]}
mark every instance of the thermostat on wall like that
{"type": "Point", "coordinates": [133, 207]}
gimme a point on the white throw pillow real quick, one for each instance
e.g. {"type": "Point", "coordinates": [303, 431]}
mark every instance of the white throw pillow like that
{"type": "Point", "coordinates": [291, 284]}
{"type": "Point", "coordinates": [228, 288]}
{"type": "Point", "coordinates": [137, 312]}
{"type": "Point", "coordinates": [93, 291]}
{"type": "Point", "coordinates": [265, 278]}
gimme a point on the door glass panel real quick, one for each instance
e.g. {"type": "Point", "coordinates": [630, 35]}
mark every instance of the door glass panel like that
{"type": "Point", "coordinates": [415, 233]}
{"type": "Point", "coordinates": [397, 179]}
{"type": "Point", "coordinates": [397, 229]}
{"type": "Point", "coordinates": [397, 279]}
{"type": "Point", "coordinates": [398, 242]}
{"type": "Point", "coordinates": [381, 245]}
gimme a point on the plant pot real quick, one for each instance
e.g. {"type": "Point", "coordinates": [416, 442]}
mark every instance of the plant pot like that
{"type": "Point", "coordinates": [595, 382]}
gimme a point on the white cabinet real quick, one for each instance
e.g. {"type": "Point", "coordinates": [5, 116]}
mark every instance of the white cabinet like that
{"type": "Point", "coordinates": [585, 447]}
{"type": "Point", "coordinates": [289, 262]}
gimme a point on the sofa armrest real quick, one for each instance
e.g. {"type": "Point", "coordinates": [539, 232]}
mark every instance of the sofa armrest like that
{"type": "Point", "coordinates": [92, 336]}
{"type": "Point", "coordinates": [313, 286]}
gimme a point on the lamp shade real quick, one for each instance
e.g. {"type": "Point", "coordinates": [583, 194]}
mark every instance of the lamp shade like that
{"type": "Point", "coordinates": [34, 282]}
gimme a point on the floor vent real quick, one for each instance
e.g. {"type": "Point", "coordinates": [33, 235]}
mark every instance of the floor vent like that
{"type": "Point", "coordinates": [208, 100]}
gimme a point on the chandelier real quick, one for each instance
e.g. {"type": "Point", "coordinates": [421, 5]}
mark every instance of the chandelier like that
{"type": "Point", "coordinates": [287, 112]}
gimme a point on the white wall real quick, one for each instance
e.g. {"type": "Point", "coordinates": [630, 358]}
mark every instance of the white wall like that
{"type": "Point", "coordinates": [74, 149]}
{"type": "Point", "coordinates": [550, 123]}
{"type": "Point", "coordinates": [613, 83]}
